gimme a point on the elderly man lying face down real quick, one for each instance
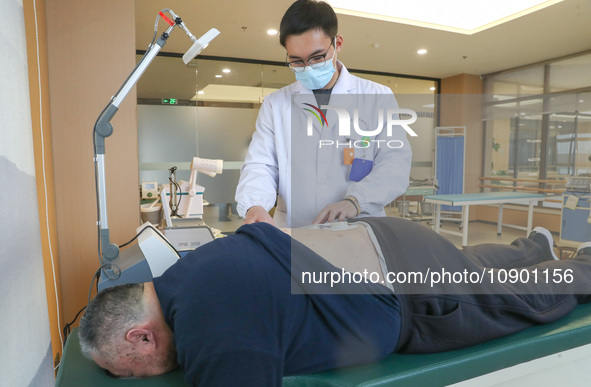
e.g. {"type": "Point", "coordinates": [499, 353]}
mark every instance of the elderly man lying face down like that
{"type": "Point", "coordinates": [247, 309]}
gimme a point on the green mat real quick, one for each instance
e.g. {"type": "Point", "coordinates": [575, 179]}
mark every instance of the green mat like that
{"type": "Point", "coordinates": [431, 370]}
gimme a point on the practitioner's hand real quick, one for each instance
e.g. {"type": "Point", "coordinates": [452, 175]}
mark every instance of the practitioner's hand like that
{"type": "Point", "coordinates": [258, 214]}
{"type": "Point", "coordinates": [337, 211]}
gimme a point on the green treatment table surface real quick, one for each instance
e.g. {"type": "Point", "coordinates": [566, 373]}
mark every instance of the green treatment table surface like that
{"type": "Point", "coordinates": [398, 370]}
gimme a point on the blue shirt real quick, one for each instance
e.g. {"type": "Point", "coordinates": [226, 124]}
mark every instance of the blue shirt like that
{"type": "Point", "coordinates": [236, 322]}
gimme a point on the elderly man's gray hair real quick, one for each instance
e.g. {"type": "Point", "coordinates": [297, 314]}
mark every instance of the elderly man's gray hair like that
{"type": "Point", "coordinates": [108, 317]}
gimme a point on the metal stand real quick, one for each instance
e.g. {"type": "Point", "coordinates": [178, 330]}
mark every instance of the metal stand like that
{"type": "Point", "coordinates": [104, 129]}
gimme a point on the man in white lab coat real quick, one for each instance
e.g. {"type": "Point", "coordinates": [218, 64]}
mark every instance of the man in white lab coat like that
{"type": "Point", "coordinates": [313, 170]}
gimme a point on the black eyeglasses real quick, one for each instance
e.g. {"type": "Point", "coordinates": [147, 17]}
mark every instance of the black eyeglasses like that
{"type": "Point", "coordinates": [314, 62]}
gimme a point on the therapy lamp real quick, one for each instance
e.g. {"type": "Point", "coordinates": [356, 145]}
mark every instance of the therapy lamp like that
{"type": "Point", "coordinates": [207, 167]}
{"type": "Point", "coordinates": [103, 127]}
{"type": "Point", "coordinates": [192, 206]}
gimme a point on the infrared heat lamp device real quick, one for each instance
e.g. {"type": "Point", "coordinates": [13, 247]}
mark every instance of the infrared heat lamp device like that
{"type": "Point", "coordinates": [103, 127]}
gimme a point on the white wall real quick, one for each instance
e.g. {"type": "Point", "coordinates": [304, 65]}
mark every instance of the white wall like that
{"type": "Point", "coordinates": [24, 325]}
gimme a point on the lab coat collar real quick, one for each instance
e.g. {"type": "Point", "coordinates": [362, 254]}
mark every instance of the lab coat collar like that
{"type": "Point", "coordinates": [344, 84]}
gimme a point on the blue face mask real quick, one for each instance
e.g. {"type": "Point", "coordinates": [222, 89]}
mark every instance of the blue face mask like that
{"type": "Point", "coordinates": [317, 78]}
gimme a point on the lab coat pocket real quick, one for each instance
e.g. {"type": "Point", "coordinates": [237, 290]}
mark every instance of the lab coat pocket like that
{"type": "Point", "coordinates": [360, 169]}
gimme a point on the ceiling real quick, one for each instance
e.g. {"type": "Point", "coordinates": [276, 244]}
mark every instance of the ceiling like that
{"type": "Point", "coordinates": [555, 31]}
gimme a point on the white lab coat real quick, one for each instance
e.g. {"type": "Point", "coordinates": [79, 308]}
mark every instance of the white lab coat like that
{"type": "Point", "coordinates": [307, 177]}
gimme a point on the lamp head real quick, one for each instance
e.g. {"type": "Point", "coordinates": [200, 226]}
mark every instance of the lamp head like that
{"type": "Point", "coordinates": [208, 167]}
{"type": "Point", "coordinates": [200, 44]}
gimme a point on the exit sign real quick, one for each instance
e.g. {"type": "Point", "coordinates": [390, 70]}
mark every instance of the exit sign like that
{"type": "Point", "coordinates": [170, 101]}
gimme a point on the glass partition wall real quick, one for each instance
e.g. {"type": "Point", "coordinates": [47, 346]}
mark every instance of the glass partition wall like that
{"type": "Point", "coordinates": [537, 120]}
{"type": "Point", "coordinates": [209, 109]}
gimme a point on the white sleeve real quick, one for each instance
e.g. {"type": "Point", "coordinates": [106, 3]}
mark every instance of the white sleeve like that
{"type": "Point", "coordinates": [259, 174]}
{"type": "Point", "coordinates": [390, 174]}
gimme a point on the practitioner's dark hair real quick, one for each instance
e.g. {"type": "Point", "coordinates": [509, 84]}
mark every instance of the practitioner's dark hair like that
{"type": "Point", "coordinates": [108, 317]}
{"type": "Point", "coordinates": [305, 15]}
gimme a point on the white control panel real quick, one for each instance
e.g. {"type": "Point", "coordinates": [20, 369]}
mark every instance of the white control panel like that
{"type": "Point", "coordinates": [150, 190]}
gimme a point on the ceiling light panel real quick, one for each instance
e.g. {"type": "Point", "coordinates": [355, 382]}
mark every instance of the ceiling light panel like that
{"type": "Point", "coordinates": [461, 16]}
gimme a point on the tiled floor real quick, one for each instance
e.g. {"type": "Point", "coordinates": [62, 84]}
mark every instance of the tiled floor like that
{"type": "Point", "coordinates": [212, 219]}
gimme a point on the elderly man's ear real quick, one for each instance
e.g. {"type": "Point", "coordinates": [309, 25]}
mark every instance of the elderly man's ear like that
{"type": "Point", "coordinates": [141, 338]}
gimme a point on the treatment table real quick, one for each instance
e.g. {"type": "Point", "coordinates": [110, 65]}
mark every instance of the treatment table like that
{"type": "Point", "coordinates": [557, 354]}
{"type": "Point", "coordinates": [483, 198]}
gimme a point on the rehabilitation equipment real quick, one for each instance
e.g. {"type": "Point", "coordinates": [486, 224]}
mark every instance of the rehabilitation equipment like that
{"type": "Point", "coordinates": [483, 198]}
{"type": "Point", "coordinates": [114, 267]}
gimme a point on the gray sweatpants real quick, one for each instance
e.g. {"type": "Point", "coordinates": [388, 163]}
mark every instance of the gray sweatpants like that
{"type": "Point", "coordinates": [492, 303]}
